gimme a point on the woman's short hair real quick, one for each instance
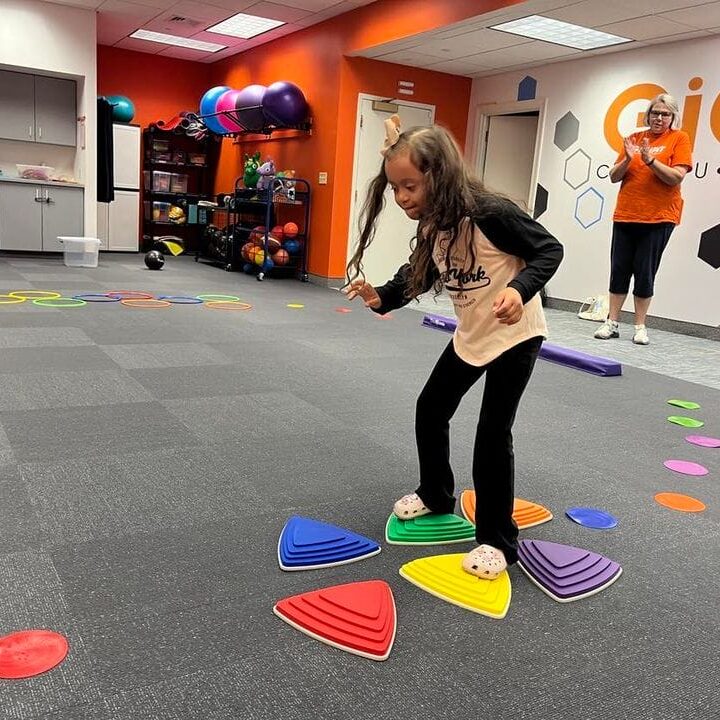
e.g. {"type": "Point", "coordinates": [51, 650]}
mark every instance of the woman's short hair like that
{"type": "Point", "coordinates": [671, 103]}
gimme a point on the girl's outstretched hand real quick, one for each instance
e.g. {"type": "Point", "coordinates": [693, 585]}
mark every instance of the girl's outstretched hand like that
{"type": "Point", "coordinates": [366, 291]}
{"type": "Point", "coordinates": [508, 306]}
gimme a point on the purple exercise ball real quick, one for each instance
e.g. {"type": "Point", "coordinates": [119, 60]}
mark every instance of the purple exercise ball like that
{"type": "Point", "coordinates": [285, 104]}
{"type": "Point", "coordinates": [248, 104]}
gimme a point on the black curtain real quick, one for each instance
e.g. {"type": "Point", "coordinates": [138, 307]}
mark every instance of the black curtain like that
{"type": "Point", "coordinates": [105, 173]}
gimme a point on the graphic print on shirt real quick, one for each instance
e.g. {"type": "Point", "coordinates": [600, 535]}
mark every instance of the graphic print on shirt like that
{"type": "Point", "coordinates": [459, 279]}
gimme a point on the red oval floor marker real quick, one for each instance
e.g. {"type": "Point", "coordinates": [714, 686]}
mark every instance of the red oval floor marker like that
{"type": "Point", "coordinates": [357, 617]}
{"type": "Point", "coordinates": [30, 652]}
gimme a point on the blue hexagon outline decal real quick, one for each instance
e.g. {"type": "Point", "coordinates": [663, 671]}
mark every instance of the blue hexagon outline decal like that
{"type": "Point", "coordinates": [600, 212]}
{"type": "Point", "coordinates": [580, 151]}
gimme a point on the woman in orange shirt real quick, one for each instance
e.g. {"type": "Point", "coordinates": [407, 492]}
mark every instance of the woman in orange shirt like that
{"type": "Point", "coordinates": [649, 205]}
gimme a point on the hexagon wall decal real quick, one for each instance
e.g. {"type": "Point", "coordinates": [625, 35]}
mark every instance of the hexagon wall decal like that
{"type": "Point", "coordinates": [577, 169]}
{"type": "Point", "coordinates": [567, 131]}
{"type": "Point", "coordinates": [541, 201]}
{"type": "Point", "coordinates": [709, 248]}
{"type": "Point", "coordinates": [527, 88]}
{"type": "Point", "coordinates": [589, 207]}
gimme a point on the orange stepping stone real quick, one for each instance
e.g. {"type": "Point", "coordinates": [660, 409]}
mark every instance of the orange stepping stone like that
{"type": "Point", "coordinates": [678, 501]}
{"type": "Point", "coordinates": [525, 513]}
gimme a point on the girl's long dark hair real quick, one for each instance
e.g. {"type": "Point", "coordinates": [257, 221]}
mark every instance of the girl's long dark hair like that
{"type": "Point", "coordinates": [451, 194]}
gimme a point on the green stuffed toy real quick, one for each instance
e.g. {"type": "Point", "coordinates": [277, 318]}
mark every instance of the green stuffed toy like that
{"type": "Point", "coordinates": [251, 175]}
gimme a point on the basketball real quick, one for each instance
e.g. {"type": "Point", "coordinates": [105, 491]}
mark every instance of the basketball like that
{"type": "Point", "coordinates": [290, 229]}
{"type": "Point", "coordinates": [281, 257]}
{"type": "Point", "coordinates": [278, 232]}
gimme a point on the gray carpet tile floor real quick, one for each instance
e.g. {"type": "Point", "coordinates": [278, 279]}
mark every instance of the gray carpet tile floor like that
{"type": "Point", "coordinates": [149, 460]}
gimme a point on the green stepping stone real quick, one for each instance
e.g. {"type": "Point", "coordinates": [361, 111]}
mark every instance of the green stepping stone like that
{"type": "Point", "coordinates": [686, 421]}
{"type": "Point", "coordinates": [684, 404]}
{"type": "Point", "coordinates": [429, 530]}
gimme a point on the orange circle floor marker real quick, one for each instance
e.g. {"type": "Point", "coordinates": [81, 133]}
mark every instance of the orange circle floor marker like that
{"type": "Point", "coordinates": [227, 305]}
{"type": "Point", "coordinates": [677, 501]}
{"type": "Point", "coordinates": [147, 303]}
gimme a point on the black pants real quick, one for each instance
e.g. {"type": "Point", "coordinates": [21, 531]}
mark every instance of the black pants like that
{"type": "Point", "coordinates": [636, 252]}
{"type": "Point", "coordinates": [493, 459]}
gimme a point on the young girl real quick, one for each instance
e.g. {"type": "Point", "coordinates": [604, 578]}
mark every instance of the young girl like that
{"type": "Point", "coordinates": [493, 260]}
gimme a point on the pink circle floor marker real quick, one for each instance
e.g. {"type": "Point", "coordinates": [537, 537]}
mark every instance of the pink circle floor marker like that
{"type": "Point", "coordinates": [685, 467]}
{"type": "Point", "coordinates": [703, 441]}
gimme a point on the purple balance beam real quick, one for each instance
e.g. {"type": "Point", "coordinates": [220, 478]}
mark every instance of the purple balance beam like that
{"type": "Point", "coordinates": [552, 353]}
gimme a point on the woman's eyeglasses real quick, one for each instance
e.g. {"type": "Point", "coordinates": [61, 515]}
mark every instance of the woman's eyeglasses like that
{"type": "Point", "coordinates": [658, 114]}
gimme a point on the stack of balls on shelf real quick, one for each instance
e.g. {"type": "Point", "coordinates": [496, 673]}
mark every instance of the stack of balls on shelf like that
{"type": "Point", "coordinates": [253, 108]}
{"type": "Point", "coordinates": [282, 244]}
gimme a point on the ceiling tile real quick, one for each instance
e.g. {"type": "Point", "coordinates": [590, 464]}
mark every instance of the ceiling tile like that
{"type": "Point", "coordinates": [140, 45]}
{"type": "Point", "coordinates": [234, 6]}
{"type": "Point", "coordinates": [699, 17]}
{"type": "Point", "coordinates": [140, 13]}
{"type": "Point", "coordinates": [211, 13]}
{"type": "Point", "coordinates": [311, 5]}
{"type": "Point", "coordinates": [481, 40]}
{"type": "Point", "coordinates": [87, 4]}
{"type": "Point", "coordinates": [111, 29]}
{"type": "Point", "coordinates": [160, 4]}
{"type": "Point", "coordinates": [690, 35]}
{"type": "Point", "coordinates": [591, 13]}
{"type": "Point", "coordinates": [645, 28]}
{"type": "Point", "coordinates": [458, 67]}
{"type": "Point", "coordinates": [183, 54]}
{"type": "Point", "coordinates": [273, 11]}
{"type": "Point", "coordinates": [527, 52]}
{"type": "Point", "coordinates": [408, 57]}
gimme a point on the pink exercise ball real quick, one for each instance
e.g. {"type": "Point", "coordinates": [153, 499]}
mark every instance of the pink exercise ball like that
{"type": "Point", "coordinates": [226, 102]}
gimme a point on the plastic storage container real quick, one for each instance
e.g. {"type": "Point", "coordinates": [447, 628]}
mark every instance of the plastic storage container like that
{"type": "Point", "coordinates": [35, 172]}
{"type": "Point", "coordinates": [80, 251]}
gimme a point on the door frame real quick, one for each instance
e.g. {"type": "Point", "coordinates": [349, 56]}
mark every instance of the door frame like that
{"type": "Point", "coordinates": [478, 129]}
{"type": "Point", "coordinates": [354, 209]}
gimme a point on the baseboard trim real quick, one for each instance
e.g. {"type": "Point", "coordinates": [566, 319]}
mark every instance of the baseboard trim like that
{"type": "Point", "coordinates": [657, 323]}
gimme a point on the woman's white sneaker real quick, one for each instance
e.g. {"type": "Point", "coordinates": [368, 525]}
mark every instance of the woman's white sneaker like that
{"type": "Point", "coordinates": [609, 329]}
{"type": "Point", "coordinates": [641, 337]}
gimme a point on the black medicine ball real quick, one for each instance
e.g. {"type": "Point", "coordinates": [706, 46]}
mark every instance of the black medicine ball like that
{"type": "Point", "coordinates": [154, 259]}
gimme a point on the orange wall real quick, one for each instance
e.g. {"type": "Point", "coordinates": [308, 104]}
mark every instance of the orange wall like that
{"type": "Point", "coordinates": [159, 87]}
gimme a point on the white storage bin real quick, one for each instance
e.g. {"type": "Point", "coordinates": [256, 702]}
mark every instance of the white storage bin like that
{"type": "Point", "coordinates": [80, 251]}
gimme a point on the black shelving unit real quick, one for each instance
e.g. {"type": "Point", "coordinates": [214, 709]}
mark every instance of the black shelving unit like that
{"type": "Point", "coordinates": [166, 156]}
{"type": "Point", "coordinates": [284, 201]}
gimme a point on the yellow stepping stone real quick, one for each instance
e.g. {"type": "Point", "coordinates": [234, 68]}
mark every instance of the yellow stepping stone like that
{"type": "Point", "coordinates": [443, 576]}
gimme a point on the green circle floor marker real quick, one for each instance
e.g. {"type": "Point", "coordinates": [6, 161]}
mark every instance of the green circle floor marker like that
{"type": "Point", "coordinates": [685, 421]}
{"type": "Point", "coordinates": [684, 404]}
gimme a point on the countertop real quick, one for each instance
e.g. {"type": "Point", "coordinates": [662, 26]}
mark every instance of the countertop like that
{"type": "Point", "coordinates": [29, 181]}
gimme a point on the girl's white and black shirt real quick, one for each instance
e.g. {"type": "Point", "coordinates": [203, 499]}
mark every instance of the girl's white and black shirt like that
{"type": "Point", "coordinates": [510, 250]}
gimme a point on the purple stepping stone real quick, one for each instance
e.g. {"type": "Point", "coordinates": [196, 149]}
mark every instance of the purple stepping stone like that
{"type": "Point", "coordinates": [703, 441]}
{"type": "Point", "coordinates": [564, 572]}
{"type": "Point", "coordinates": [686, 467]}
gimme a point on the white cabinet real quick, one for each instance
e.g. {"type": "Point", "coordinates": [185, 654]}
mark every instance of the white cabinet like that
{"type": "Point", "coordinates": [36, 108]}
{"type": "Point", "coordinates": [33, 216]}
{"type": "Point", "coordinates": [126, 156]}
{"type": "Point", "coordinates": [119, 221]}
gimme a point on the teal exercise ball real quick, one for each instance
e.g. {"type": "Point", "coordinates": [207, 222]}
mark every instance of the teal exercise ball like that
{"type": "Point", "coordinates": [123, 108]}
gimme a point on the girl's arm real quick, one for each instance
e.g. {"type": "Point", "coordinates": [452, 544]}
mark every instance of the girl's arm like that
{"type": "Point", "coordinates": [516, 233]}
{"type": "Point", "coordinates": [392, 293]}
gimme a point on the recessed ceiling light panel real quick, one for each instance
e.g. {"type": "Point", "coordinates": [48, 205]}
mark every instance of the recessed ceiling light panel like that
{"type": "Point", "coordinates": [245, 26]}
{"type": "Point", "coordinates": [177, 40]}
{"type": "Point", "coordinates": [560, 33]}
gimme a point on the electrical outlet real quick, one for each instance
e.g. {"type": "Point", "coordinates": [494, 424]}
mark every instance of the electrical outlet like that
{"type": "Point", "coordinates": [322, 178]}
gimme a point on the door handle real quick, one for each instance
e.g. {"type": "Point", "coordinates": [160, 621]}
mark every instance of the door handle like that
{"type": "Point", "coordinates": [47, 199]}
{"type": "Point", "coordinates": [29, 130]}
{"type": "Point", "coordinates": [37, 196]}
{"type": "Point", "coordinates": [39, 131]}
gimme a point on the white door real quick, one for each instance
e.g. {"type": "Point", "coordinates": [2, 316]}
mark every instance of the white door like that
{"type": "Point", "coordinates": [124, 221]}
{"type": "Point", "coordinates": [126, 156]}
{"type": "Point", "coordinates": [509, 156]}
{"type": "Point", "coordinates": [394, 230]}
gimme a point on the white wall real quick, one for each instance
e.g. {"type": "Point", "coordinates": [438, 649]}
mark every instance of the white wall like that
{"type": "Point", "coordinates": [687, 288]}
{"type": "Point", "coordinates": [58, 40]}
